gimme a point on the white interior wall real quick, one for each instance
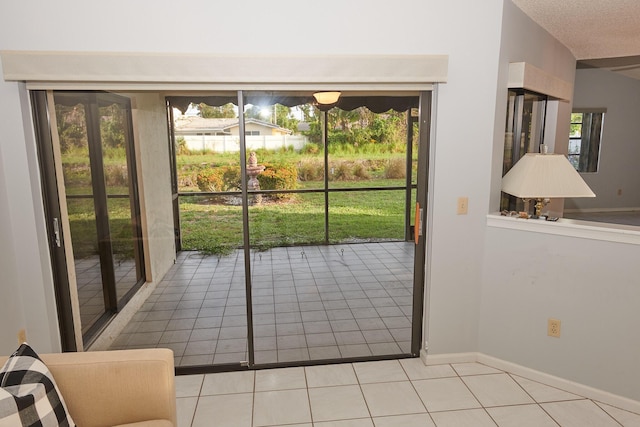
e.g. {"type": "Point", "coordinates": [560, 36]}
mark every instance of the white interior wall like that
{"type": "Point", "coordinates": [26, 285]}
{"type": "Point", "coordinates": [461, 161]}
{"type": "Point", "coordinates": [528, 277]}
{"type": "Point", "coordinates": [11, 316]}
{"type": "Point", "coordinates": [620, 145]}
{"type": "Point", "coordinates": [411, 27]}
{"type": "Point", "coordinates": [590, 286]}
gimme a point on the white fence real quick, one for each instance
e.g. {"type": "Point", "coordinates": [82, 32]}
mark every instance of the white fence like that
{"type": "Point", "coordinates": [231, 143]}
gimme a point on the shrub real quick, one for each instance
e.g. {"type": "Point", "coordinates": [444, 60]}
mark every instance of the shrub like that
{"type": "Point", "coordinates": [223, 178]}
{"type": "Point", "coordinates": [361, 171]}
{"type": "Point", "coordinates": [116, 175]}
{"type": "Point", "coordinates": [310, 148]}
{"type": "Point", "coordinates": [347, 170]}
{"type": "Point", "coordinates": [181, 146]}
{"type": "Point", "coordinates": [286, 150]}
{"type": "Point", "coordinates": [279, 177]}
{"type": "Point", "coordinates": [210, 179]}
{"type": "Point", "coordinates": [342, 171]}
{"type": "Point", "coordinates": [187, 177]}
{"type": "Point", "coordinates": [395, 169]}
{"type": "Point", "coordinates": [310, 170]}
{"type": "Point", "coordinates": [231, 177]}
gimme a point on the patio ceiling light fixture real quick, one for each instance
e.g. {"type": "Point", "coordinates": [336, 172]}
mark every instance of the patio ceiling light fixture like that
{"type": "Point", "coordinates": [327, 97]}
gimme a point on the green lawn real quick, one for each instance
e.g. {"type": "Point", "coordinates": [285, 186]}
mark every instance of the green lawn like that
{"type": "Point", "coordinates": [82, 222]}
{"type": "Point", "coordinates": [213, 227]}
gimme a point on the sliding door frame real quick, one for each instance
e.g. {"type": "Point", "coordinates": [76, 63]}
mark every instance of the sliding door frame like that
{"type": "Point", "coordinates": [55, 232]}
{"type": "Point", "coordinates": [59, 243]}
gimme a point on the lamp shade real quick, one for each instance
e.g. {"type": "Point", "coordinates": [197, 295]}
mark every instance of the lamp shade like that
{"type": "Point", "coordinates": [544, 176]}
{"type": "Point", "coordinates": [327, 97]}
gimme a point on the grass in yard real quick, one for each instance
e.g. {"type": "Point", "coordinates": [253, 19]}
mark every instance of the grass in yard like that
{"type": "Point", "coordinates": [214, 226]}
{"type": "Point", "coordinates": [84, 235]}
{"type": "Point", "coordinates": [210, 226]}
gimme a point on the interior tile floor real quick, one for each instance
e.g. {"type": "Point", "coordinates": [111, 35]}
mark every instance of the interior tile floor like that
{"type": "Point", "coordinates": [309, 303]}
{"type": "Point", "coordinates": [392, 393]}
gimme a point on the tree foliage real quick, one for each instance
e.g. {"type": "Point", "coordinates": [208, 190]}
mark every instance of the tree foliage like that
{"type": "Point", "coordinates": [357, 127]}
{"type": "Point", "coordinates": [72, 128]}
{"type": "Point", "coordinates": [226, 111]}
{"type": "Point", "coordinates": [112, 126]}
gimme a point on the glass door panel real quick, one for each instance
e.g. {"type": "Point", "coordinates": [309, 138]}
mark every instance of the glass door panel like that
{"type": "Point", "coordinates": [372, 175]}
{"type": "Point", "coordinates": [207, 147]}
{"type": "Point", "coordinates": [331, 270]}
{"type": "Point", "coordinates": [123, 245]}
{"type": "Point", "coordinates": [74, 148]}
{"type": "Point", "coordinates": [96, 154]}
{"type": "Point", "coordinates": [285, 181]}
{"type": "Point", "coordinates": [211, 311]}
{"type": "Point", "coordinates": [122, 226]}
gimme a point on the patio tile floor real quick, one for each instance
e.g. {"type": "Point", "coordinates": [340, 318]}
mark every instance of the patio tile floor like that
{"type": "Point", "coordinates": [309, 303]}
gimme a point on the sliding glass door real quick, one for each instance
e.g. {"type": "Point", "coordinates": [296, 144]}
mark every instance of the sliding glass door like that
{"type": "Point", "coordinates": [96, 217]}
{"type": "Point", "coordinates": [319, 209]}
{"type": "Point", "coordinates": [299, 225]}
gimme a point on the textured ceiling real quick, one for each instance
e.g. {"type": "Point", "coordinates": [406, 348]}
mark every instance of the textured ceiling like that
{"type": "Point", "coordinates": [593, 29]}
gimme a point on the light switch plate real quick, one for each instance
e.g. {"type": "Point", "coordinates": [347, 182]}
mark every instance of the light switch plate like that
{"type": "Point", "coordinates": [463, 205]}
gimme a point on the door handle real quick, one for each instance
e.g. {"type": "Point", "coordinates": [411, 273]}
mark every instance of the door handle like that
{"type": "Point", "coordinates": [417, 227]}
{"type": "Point", "coordinates": [56, 231]}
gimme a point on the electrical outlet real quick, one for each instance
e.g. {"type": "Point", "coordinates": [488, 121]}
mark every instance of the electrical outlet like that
{"type": "Point", "coordinates": [463, 205]}
{"type": "Point", "coordinates": [22, 336]}
{"type": "Point", "coordinates": [619, 191]}
{"type": "Point", "coordinates": [553, 328]}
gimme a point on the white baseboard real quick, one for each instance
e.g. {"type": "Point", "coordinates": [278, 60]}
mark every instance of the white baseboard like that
{"type": "Point", "coordinates": [439, 359]}
{"type": "Point", "coordinates": [533, 375]}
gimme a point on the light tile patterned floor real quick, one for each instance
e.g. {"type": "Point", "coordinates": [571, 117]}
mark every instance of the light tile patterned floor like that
{"type": "Point", "coordinates": [395, 393]}
{"type": "Point", "coordinates": [309, 303]}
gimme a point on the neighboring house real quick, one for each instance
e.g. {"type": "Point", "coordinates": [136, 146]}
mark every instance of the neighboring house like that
{"type": "Point", "coordinates": [221, 135]}
{"type": "Point", "coordinates": [192, 125]}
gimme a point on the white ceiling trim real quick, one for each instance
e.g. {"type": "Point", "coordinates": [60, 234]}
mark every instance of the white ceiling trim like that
{"type": "Point", "coordinates": [152, 70]}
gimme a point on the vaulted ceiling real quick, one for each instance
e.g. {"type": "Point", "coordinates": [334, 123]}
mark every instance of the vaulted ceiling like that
{"type": "Point", "coordinates": [599, 33]}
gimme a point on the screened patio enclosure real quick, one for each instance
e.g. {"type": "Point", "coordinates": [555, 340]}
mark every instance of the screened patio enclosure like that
{"type": "Point", "coordinates": [353, 151]}
{"type": "Point", "coordinates": [292, 254]}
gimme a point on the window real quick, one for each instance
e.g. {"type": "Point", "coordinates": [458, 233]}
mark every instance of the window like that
{"type": "Point", "coordinates": [584, 139]}
{"type": "Point", "coordinates": [252, 133]}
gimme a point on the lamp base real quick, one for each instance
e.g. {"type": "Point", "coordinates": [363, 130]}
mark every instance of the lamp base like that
{"type": "Point", "coordinates": [540, 204]}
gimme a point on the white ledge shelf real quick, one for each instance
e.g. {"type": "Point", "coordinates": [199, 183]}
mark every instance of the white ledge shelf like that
{"type": "Point", "coordinates": [607, 232]}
